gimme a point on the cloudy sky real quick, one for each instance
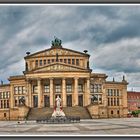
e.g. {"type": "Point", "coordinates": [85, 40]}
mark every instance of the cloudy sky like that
{"type": "Point", "coordinates": [111, 34]}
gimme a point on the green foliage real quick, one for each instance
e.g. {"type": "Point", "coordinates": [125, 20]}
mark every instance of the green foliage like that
{"type": "Point", "coordinates": [135, 113]}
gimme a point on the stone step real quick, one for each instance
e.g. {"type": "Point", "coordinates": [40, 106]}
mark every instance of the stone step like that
{"type": "Point", "coordinates": [42, 113]}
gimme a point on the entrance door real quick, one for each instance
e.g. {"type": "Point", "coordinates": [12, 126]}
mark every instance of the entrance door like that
{"type": "Point", "coordinates": [69, 100]}
{"type": "Point", "coordinates": [80, 100]}
{"type": "Point", "coordinates": [46, 101]}
{"type": "Point", "coordinates": [35, 101]}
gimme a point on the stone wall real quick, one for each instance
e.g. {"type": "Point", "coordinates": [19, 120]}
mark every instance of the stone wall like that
{"type": "Point", "coordinates": [100, 111]}
{"type": "Point", "coordinates": [14, 114]}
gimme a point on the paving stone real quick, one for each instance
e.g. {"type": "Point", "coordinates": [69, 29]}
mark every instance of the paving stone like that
{"type": "Point", "coordinates": [121, 126]}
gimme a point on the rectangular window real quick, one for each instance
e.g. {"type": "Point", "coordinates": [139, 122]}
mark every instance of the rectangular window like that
{"type": "Point", "coordinates": [69, 88]}
{"type": "Point", "coordinates": [44, 61]}
{"type": "Point", "coordinates": [5, 95]}
{"type": "Point", "coordinates": [1, 103]}
{"type": "Point", "coordinates": [114, 92]}
{"type": "Point", "coordinates": [100, 98]}
{"type": "Point", "coordinates": [48, 61]}
{"type": "Point", "coordinates": [61, 60]}
{"type": "Point", "coordinates": [111, 102]}
{"type": "Point", "coordinates": [57, 88]}
{"type": "Point", "coordinates": [65, 60]}
{"type": "Point", "coordinates": [7, 103]}
{"type": "Point", "coordinates": [117, 101]}
{"type": "Point", "coordinates": [4, 115]}
{"type": "Point", "coordinates": [34, 88]}
{"type": "Point", "coordinates": [108, 101]}
{"type": "Point", "coordinates": [16, 101]}
{"type": "Point", "coordinates": [8, 95]}
{"type": "Point", "coordinates": [46, 88]}
{"type": "Point", "coordinates": [20, 90]}
{"type": "Point", "coordinates": [77, 62]}
{"type": "Point", "coordinates": [80, 88]}
{"type": "Point", "coordinates": [69, 61]}
{"type": "Point", "coordinates": [36, 63]}
{"type": "Point", "coordinates": [95, 97]}
{"type": "Point", "coordinates": [4, 103]}
{"type": "Point", "coordinates": [114, 101]}
{"type": "Point", "coordinates": [97, 88]}
{"type": "Point", "coordinates": [117, 92]}
{"type": "Point", "coordinates": [92, 88]}
{"type": "Point", "coordinates": [73, 61]}
{"type": "Point", "coordinates": [23, 90]}
{"type": "Point", "coordinates": [111, 92]}
{"type": "Point", "coordinates": [40, 62]}
{"type": "Point", "coordinates": [52, 60]}
{"type": "Point", "coordinates": [19, 100]}
{"type": "Point", "coordinates": [16, 90]}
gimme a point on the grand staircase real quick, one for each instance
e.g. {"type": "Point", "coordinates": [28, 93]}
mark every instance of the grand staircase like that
{"type": "Point", "coordinates": [42, 113]}
{"type": "Point", "coordinates": [77, 111]}
{"type": "Point", "coordinates": [39, 113]}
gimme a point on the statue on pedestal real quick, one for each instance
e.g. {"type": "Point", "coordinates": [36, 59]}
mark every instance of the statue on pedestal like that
{"type": "Point", "coordinates": [58, 112]}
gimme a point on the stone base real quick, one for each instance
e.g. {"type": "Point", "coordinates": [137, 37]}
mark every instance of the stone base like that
{"type": "Point", "coordinates": [60, 120]}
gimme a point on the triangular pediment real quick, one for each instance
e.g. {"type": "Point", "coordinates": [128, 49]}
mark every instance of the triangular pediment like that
{"type": "Point", "coordinates": [54, 51]}
{"type": "Point", "coordinates": [58, 67]}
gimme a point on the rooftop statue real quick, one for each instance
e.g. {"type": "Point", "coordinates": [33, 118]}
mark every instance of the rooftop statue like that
{"type": "Point", "coordinates": [56, 42]}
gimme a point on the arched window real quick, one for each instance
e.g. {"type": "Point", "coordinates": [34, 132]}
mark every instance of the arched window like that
{"type": "Point", "coordinates": [111, 111]}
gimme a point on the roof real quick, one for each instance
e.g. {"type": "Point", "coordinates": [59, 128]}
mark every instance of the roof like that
{"type": "Point", "coordinates": [4, 85]}
{"type": "Point", "coordinates": [98, 75]}
{"type": "Point", "coordinates": [28, 56]}
{"type": "Point", "coordinates": [115, 82]}
{"type": "Point", "coordinates": [16, 77]}
{"type": "Point", "coordinates": [134, 93]}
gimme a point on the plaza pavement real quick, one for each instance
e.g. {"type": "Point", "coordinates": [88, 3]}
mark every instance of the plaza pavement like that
{"type": "Point", "coordinates": [100, 127]}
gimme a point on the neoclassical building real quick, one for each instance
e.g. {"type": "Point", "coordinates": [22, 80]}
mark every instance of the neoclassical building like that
{"type": "Point", "coordinates": [64, 72]}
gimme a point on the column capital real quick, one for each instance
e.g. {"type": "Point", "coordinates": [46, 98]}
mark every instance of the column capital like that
{"type": "Point", "coordinates": [28, 80]}
{"type": "Point", "coordinates": [39, 79]}
{"type": "Point", "coordinates": [76, 78]}
{"type": "Point", "coordinates": [88, 78]}
{"type": "Point", "coordinates": [51, 78]}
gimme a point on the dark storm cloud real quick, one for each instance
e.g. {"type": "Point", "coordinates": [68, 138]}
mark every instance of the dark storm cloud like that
{"type": "Point", "coordinates": [110, 34]}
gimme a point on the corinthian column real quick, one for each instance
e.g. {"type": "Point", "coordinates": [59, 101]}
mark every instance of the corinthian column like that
{"type": "Point", "coordinates": [87, 92]}
{"type": "Point", "coordinates": [63, 92]}
{"type": "Point", "coordinates": [51, 93]}
{"type": "Point", "coordinates": [75, 94]}
{"type": "Point", "coordinates": [39, 93]}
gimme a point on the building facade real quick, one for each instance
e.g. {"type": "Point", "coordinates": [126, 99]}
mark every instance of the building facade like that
{"type": "Point", "coordinates": [64, 72]}
{"type": "Point", "coordinates": [133, 101]}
